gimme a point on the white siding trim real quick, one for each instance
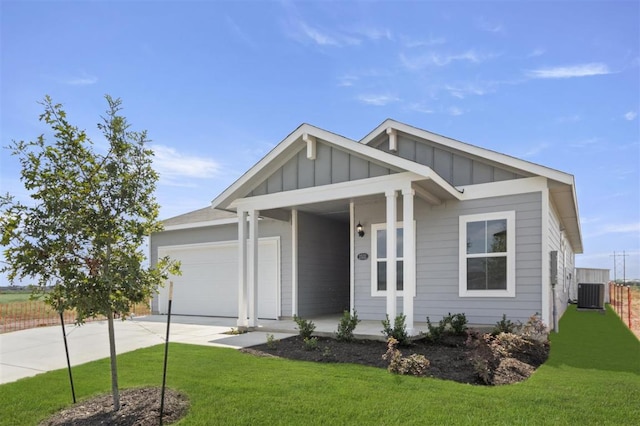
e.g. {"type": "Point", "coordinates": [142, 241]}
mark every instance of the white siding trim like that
{"type": "Point", "coordinates": [510, 216]}
{"type": "Point", "coordinates": [504, 188]}
{"type": "Point", "coordinates": [546, 270]}
{"type": "Point", "coordinates": [294, 262]}
{"type": "Point", "coordinates": [216, 222]}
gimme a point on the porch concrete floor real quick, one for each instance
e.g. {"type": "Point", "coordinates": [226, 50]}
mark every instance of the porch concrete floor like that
{"type": "Point", "coordinates": [327, 326]}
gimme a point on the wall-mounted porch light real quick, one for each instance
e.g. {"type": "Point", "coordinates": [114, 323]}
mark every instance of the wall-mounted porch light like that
{"type": "Point", "coordinates": [360, 230]}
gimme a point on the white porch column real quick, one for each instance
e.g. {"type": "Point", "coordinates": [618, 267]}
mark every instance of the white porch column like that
{"type": "Point", "coordinates": [242, 268]}
{"type": "Point", "coordinates": [409, 256]}
{"type": "Point", "coordinates": [253, 268]}
{"type": "Point", "coordinates": [294, 262]}
{"type": "Point", "coordinates": [391, 255]}
{"type": "Point", "coordinates": [352, 257]}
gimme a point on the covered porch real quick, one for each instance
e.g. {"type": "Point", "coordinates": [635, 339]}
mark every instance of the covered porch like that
{"type": "Point", "coordinates": [339, 203]}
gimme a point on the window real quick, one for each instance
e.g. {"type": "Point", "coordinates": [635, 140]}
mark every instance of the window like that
{"type": "Point", "coordinates": [379, 259]}
{"type": "Point", "coordinates": [487, 255]}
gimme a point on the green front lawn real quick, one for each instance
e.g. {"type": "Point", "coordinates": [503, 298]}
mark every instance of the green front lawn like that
{"type": "Point", "coordinates": [591, 377]}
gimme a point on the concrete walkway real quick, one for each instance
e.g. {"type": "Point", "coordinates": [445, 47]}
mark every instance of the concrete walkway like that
{"type": "Point", "coordinates": [30, 352]}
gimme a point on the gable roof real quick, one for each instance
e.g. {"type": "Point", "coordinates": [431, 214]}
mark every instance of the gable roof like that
{"type": "Point", "coordinates": [561, 185]}
{"type": "Point", "coordinates": [291, 145]}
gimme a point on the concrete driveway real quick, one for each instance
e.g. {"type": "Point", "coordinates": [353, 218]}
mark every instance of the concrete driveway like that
{"type": "Point", "coordinates": [30, 352]}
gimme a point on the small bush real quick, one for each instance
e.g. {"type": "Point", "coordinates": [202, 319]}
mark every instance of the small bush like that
{"type": "Point", "coordinates": [414, 364]}
{"type": "Point", "coordinates": [435, 331]}
{"type": "Point", "coordinates": [504, 326]}
{"type": "Point", "coordinates": [458, 323]}
{"type": "Point", "coordinates": [346, 326]}
{"type": "Point", "coordinates": [454, 324]}
{"type": "Point", "coordinates": [534, 329]}
{"type": "Point", "coordinates": [305, 327]}
{"type": "Point", "coordinates": [272, 343]}
{"type": "Point", "coordinates": [399, 330]}
{"type": "Point", "coordinates": [310, 343]}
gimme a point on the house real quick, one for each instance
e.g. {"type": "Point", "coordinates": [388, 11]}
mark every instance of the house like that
{"type": "Point", "coordinates": [321, 217]}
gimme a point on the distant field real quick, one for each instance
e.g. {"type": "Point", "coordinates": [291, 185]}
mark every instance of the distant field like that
{"type": "Point", "coordinates": [14, 296]}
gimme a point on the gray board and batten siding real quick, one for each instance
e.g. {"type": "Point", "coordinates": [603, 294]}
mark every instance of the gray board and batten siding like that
{"type": "Point", "coordinates": [437, 267]}
{"type": "Point", "coordinates": [335, 165]}
{"type": "Point", "coordinates": [332, 165]}
{"type": "Point", "coordinates": [459, 169]}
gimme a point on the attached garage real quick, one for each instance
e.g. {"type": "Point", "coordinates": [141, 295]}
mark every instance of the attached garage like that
{"type": "Point", "coordinates": [208, 285]}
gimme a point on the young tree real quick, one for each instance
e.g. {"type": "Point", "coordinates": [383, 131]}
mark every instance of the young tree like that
{"type": "Point", "coordinates": [80, 238]}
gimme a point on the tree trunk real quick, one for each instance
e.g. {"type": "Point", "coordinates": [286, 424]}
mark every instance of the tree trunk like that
{"type": "Point", "coordinates": [114, 365]}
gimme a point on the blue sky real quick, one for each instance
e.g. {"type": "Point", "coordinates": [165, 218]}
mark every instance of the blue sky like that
{"type": "Point", "coordinates": [218, 84]}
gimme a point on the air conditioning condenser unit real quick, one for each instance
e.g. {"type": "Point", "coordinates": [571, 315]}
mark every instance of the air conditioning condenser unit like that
{"type": "Point", "coordinates": [590, 296]}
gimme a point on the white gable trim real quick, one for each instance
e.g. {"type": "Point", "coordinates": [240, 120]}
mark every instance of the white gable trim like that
{"type": "Point", "coordinates": [336, 191]}
{"type": "Point", "coordinates": [503, 188]}
{"type": "Point", "coordinates": [216, 222]}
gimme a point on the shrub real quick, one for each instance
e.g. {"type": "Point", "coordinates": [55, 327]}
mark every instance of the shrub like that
{"type": "Point", "coordinates": [534, 329]}
{"type": "Point", "coordinates": [305, 327]}
{"type": "Point", "coordinates": [458, 323]}
{"type": "Point", "coordinates": [346, 326]}
{"type": "Point", "coordinates": [272, 343]}
{"type": "Point", "coordinates": [414, 364]}
{"type": "Point", "coordinates": [435, 331]}
{"type": "Point", "coordinates": [504, 326]}
{"type": "Point", "coordinates": [399, 330]}
{"type": "Point", "coordinates": [455, 324]}
{"type": "Point", "coordinates": [310, 343]}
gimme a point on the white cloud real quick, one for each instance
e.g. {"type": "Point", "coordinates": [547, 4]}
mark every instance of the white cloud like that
{"type": "Point", "coordinates": [492, 27]}
{"type": "Point", "coordinates": [631, 115]}
{"type": "Point", "coordinates": [617, 228]}
{"type": "Point", "coordinates": [431, 41]}
{"type": "Point", "coordinates": [375, 34]}
{"type": "Point", "coordinates": [347, 80]}
{"type": "Point", "coordinates": [239, 32]}
{"type": "Point", "coordinates": [536, 52]}
{"type": "Point", "coordinates": [85, 80]}
{"type": "Point", "coordinates": [421, 61]}
{"type": "Point", "coordinates": [378, 99]}
{"type": "Point", "coordinates": [318, 36]}
{"type": "Point", "coordinates": [574, 118]}
{"type": "Point", "coordinates": [174, 165]}
{"type": "Point", "coordinates": [419, 107]}
{"type": "Point", "coordinates": [455, 111]}
{"type": "Point", "coordinates": [463, 91]}
{"type": "Point", "coordinates": [582, 70]}
{"type": "Point", "coordinates": [535, 150]}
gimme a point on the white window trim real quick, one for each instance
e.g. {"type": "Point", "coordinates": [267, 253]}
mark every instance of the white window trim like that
{"type": "Point", "coordinates": [374, 258]}
{"type": "Point", "coordinates": [510, 216]}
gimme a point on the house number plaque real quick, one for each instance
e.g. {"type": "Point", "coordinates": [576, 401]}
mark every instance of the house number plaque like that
{"type": "Point", "coordinates": [363, 256]}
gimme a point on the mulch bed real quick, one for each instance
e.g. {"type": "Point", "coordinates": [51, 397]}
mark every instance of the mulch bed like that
{"type": "Point", "coordinates": [450, 358]}
{"type": "Point", "coordinates": [140, 407]}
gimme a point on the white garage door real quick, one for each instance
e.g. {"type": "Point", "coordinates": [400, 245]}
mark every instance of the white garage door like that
{"type": "Point", "coordinates": [208, 285]}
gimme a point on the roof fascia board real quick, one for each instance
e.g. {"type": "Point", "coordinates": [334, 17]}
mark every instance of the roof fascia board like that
{"type": "Point", "coordinates": [203, 224]}
{"type": "Point", "coordinates": [503, 188]}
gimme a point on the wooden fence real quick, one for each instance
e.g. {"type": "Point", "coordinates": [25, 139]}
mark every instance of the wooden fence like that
{"type": "Point", "coordinates": [16, 316]}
